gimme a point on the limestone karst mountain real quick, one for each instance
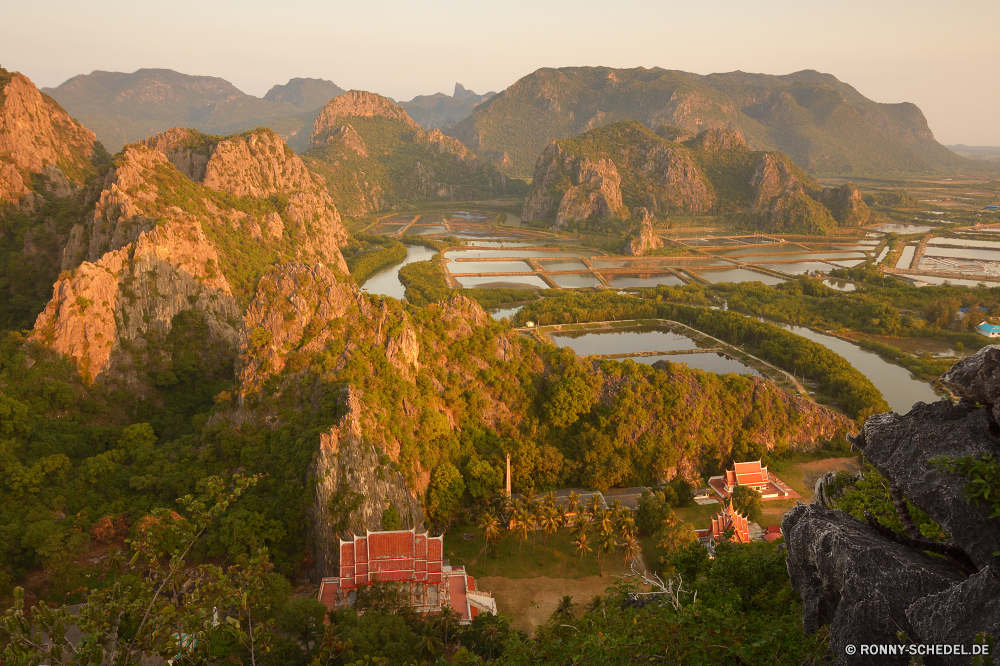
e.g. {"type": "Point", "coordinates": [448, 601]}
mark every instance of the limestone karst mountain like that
{"type": "Point", "coordinates": [46, 158]}
{"type": "Point", "coordinates": [440, 111]}
{"type": "Point", "coordinates": [821, 123]}
{"type": "Point", "coordinates": [182, 222]}
{"type": "Point", "coordinates": [122, 108]}
{"type": "Point", "coordinates": [600, 178]}
{"type": "Point", "coordinates": [374, 155]}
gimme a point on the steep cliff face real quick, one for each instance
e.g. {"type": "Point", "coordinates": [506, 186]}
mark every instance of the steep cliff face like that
{"type": "Point", "coordinates": [869, 582]}
{"type": "Point", "coordinates": [373, 155]}
{"type": "Point", "coordinates": [38, 138]}
{"type": "Point", "coordinates": [644, 238]}
{"type": "Point", "coordinates": [158, 244]}
{"type": "Point", "coordinates": [355, 483]}
{"type": "Point", "coordinates": [780, 202]}
{"type": "Point", "coordinates": [601, 175]}
{"type": "Point", "coordinates": [846, 205]}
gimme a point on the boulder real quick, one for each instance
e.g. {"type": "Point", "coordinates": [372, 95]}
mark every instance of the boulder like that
{"type": "Point", "coordinates": [857, 580]}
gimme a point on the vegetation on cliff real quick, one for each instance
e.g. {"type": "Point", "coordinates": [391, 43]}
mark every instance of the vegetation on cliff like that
{"type": "Point", "coordinates": [600, 179]}
{"type": "Point", "coordinates": [823, 124]}
{"type": "Point", "coordinates": [374, 156]}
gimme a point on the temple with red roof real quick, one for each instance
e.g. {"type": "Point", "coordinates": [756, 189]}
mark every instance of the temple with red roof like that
{"type": "Point", "coordinates": [752, 475]}
{"type": "Point", "coordinates": [725, 520]}
{"type": "Point", "coordinates": [412, 561]}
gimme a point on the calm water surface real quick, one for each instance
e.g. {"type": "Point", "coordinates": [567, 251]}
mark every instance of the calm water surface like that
{"type": "Point", "coordinates": [710, 362]}
{"type": "Point", "coordinates": [644, 339]}
{"type": "Point", "coordinates": [627, 281]}
{"type": "Point", "coordinates": [737, 275]}
{"type": "Point", "coordinates": [899, 388]}
{"type": "Point", "coordinates": [386, 281]}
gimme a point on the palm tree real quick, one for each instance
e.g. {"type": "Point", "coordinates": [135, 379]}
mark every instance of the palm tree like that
{"type": "Point", "coordinates": [490, 529]}
{"type": "Point", "coordinates": [522, 528]}
{"type": "Point", "coordinates": [583, 546]}
{"type": "Point", "coordinates": [429, 645]}
{"type": "Point", "coordinates": [561, 513]}
{"type": "Point", "coordinates": [596, 603]}
{"type": "Point", "coordinates": [448, 621]}
{"type": "Point", "coordinates": [550, 522]}
{"type": "Point", "coordinates": [581, 524]}
{"type": "Point", "coordinates": [605, 521]}
{"type": "Point", "coordinates": [626, 527]}
{"type": "Point", "coordinates": [550, 498]}
{"type": "Point", "coordinates": [616, 506]}
{"type": "Point", "coordinates": [629, 548]}
{"type": "Point", "coordinates": [565, 606]}
{"type": "Point", "coordinates": [606, 544]}
{"type": "Point", "coordinates": [574, 501]}
{"type": "Point", "coordinates": [595, 503]}
{"type": "Point", "coordinates": [537, 516]}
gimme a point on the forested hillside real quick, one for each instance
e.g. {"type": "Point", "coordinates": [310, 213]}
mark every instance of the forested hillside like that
{"type": "Point", "coordinates": [823, 124]}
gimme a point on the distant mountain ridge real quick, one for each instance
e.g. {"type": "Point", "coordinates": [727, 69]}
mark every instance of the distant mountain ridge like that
{"type": "Point", "coordinates": [440, 111]}
{"type": "Point", "coordinates": [122, 108]}
{"type": "Point", "coordinates": [823, 124]}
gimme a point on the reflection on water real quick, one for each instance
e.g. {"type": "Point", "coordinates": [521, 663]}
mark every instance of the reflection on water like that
{"type": "Point", "coordinates": [642, 339]}
{"type": "Point", "coordinates": [840, 285]}
{"type": "Point", "coordinates": [924, 280]}
{"type": "Point", "coordinates": [504, 313]}
{"type": "Point", "coordinates": [882, 254]}
{"type": "Point", "coordinates": [962, 253]}
{"type": "Point", "coordinates": [633, 281]}
{"type": "Point", "coordinates": [575, 280]}
{"type": "Point", "coordinates": [505, 282]}
{"type": "Point", "coordinates": [897, 228]}
{"type": "Point", "coordinates": [899, 388]}
{"type": "Point", "coordinates": [798, 268]}
{"type": "Point", "coordinates": [485, 254]}
{"type": "Point", "coordinates": [563, 265]}
{"type": "Point", "coordinates": [488, 267]}
{"type": "Point", "coordinates": [386, 281]}
{"type": "Point", "coordinates": [717, 363]}
{"type": "Point", "coordinates": [963, 242]}
{"type": "Point", "coordinates": [737, 275]}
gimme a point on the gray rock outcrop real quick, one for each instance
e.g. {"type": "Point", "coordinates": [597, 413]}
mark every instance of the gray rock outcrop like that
{"type": "Point", "coordinates": [870, 583]}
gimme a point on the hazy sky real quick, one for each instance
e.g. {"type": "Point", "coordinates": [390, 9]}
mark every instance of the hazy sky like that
{"type": "Point", "coordinates": [941, 56]}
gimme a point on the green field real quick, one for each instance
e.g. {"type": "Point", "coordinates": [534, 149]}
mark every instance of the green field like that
{"type": "Point", "coordinates": [556, 559]}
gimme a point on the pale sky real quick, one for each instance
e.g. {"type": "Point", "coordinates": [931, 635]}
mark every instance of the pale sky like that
{"type": "Point", "coordinates": [941, 56]}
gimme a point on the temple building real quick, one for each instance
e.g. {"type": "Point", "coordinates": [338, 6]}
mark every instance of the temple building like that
{"type": "Point", "coordinates": [412, 561]}
{"type": "Point", "coordinates": [752, 475]}
{"type": "Point", "coordinates": [723, 521]}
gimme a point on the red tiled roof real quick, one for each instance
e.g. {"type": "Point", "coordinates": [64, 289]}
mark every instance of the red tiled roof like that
{"type": "Point", "coordinates": [390, 545]}
{"type": "Point", "coordinates": [749, 473]}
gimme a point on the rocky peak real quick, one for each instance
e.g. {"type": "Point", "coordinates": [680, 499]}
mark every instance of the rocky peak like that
{"type": "Point", "coordinates": [644, 238]}
{"type": "Point", "coordinates": [293, 312]}
{"type": "Point", "coordinates": [357, 103]}
{"type": "Point", "coordinates": [188, 150]}
{"type": "Point", "coordinates": [713, 140]}
{"type": "Point", "coordinates": [869, 582]}
{"type": "Point", "coordinates": [846, 205]}
{"type": "Point", "coordinates": [772, 178]}
{"type": "Point", "coordinates": [38, 137]}
{"type": "Point", "coordinates": [349, 136]}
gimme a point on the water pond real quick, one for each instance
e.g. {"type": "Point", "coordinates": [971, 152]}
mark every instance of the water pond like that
{"type": "Point", "coordinates": [963, 242]}
{"type": "Point", "coordinates": [575, 280]}
{"type": "Point", "coordinates": [798, 268]}
{"type": "Point", "coordinates": [504, 282]}
{"type": "Point", "coordinates": [640, 339]}
{"type": "Point", "coordinates": [962, 253]}
{"type": "Point", "coordinates": [907, 257]}
{"type": "Point", "coordinates": [567, 265]}
{"type": "Point", "coordinates": [737, 275]}
{"type": "Point", "coordinates": [504, 313]}
{"type": "Point", "coordinates": [840, 285]}
{"type": "Point", "coordinates": [488, 266]}
{"type": "Point", "coordinates": [902, 228]}
{"type": "Point", "coordinates": [899, 388]}
{"type": "Point", "coordinates": [709, 362]}
{"type": "Point", "coordinates": [626, 281]}
{"type": "Point", "coordinates": [386, 281]}
{"type": "Point", "coordinates": [486, 254]}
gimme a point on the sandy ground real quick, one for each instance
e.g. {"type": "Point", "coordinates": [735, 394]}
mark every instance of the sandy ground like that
{"type": "Point", "coordinates": [530, 601]}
